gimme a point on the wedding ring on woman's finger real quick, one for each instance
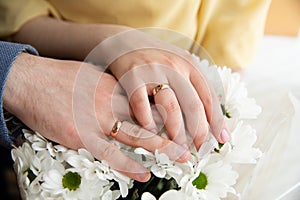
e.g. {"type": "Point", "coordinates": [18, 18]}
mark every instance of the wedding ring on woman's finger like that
{"type": "Point", "coordinates": [116, 128]}
{"type": "Point", "coordinates": [160, 87]}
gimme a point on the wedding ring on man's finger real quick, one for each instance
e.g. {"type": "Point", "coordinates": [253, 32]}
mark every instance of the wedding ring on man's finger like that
{"type": "Point", "coordinates": [116, 128]}
{"type": "Point", "coordinates": [160, 87]}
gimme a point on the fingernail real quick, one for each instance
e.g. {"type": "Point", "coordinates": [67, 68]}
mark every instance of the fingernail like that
{"type": "Point", "coordinates": [154, 130]}
{"type": "Point", "coordinates": [144, 177]}
{"type": "Point", "coordinates": [225, 136]}
{"type": "Point", "coordinates": [185, 154]}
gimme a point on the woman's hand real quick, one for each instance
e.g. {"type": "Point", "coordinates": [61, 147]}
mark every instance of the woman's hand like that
{"type": "Point", "coordinates": [76, 105]}
{"type": "Point", "coordinates": [141, 63]}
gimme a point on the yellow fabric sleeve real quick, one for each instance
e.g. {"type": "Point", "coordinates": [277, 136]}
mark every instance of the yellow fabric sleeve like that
{"type": "Point", "coordinates": [230, 30]}
{"type": "Point", "coordinates": [15, 13]}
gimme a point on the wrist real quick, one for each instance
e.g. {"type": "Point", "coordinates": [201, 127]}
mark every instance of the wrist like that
{"type": "Point", "coordinates": [14, 91]}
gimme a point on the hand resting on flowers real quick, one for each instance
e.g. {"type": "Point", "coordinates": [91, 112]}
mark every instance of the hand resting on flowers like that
{"type": "Point", "coordinates": [139, 62]}
{"type": "Point", "coordinates": [70, 103]}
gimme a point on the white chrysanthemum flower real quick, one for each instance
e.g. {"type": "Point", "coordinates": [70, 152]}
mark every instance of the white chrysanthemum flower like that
{"type": "Point", "coordinates": [84, 162]}
{"type": "Point", "coordinates": [198, 159]}
{"type": "Point", "coordinates": [160, 164]}
{"type": "Point", "coordinates": [231, 91]}
{"type": "Point", "coordinates": [236, 103]}
{"type": "Point", "coordinates": [28, 189]}
{"type": "Point", "coordinates": [30, 167]}
{"type": "Point", "coordinates": [212, 76]}
{"type": "Point", "coordinates": [240, 149]}
{"type": "Point", "coordinates": [168, 195]}
{"type": "Point", "coordinates": [69, 184]}
{"type": "Point", "coordinates": [211, 181]}
{"type": "Point", "coordinates": [22, 157]}
{"type": "Point", "coordinates": [39, 143]}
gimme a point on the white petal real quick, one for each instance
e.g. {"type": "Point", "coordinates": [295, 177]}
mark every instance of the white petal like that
{"type": "Point", "coordinates": [174, 170]}
{"type": "Point", "coordinates": [162, 159]}
{"type": "Point", "coordinates": [123, 188]}
{"type": "Point", "coordinates": [158, 171]}
{"type": "Point", "coordinates": [121, 176]}
{"type": "Point", "coordinates": [143, 152]}
{"type": "Point", "coordinates": [107, 195]}
{"type": "Point", "coordinates": [86, 154]}
{"type": "Point", "coordinates": [75, 161]}
{"type": "Point", "coordinates": [60, 148]}
{"type": "Point", "coordinates": [175, 195]}
{"type": "Point", "coordinates": [53, 180]}
{"type": "Point", "coordinates": [148, 196]}
{"type": "Point", "coordinates": [39, 146]}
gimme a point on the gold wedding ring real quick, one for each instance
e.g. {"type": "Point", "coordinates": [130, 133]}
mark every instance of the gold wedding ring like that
{"type": "Point", "coordinates": [115, 129]}
{"type": "Point", "coordinates": [159, 87]}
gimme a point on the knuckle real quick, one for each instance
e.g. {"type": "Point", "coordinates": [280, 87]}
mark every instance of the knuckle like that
{"type": "Point", "coordinates": [137, 102]}
{"type": "Point", "coordinates": [135, 134]}
{"type": "Point", "coordinates": [103, 98]}
{"type": "Point", "coordinates": [141, 111]}
{"type": "Point", "coordinates": [145, 122]}
{"type": "Point", "coordinates": [172, 108]}
{"type": "Point", "coordinates": [108, 151]}
{"type": "Point", "coordinates": [161, 144]}
{"type": "Point", "coordinates": [69, 129]}
{"type": "Point", "coordinates": [106, 95]}
{"type": "Point", "coordinates": [195, 105]}
{"type": "Point", "coordinates": [178, 63]}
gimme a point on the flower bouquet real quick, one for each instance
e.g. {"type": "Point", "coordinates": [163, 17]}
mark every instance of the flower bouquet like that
{"type": "Point", "coordinates": [46, 170]}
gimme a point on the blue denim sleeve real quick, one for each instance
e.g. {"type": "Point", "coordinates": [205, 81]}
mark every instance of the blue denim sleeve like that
{"type": "Point", "coordinates": [8, 54]}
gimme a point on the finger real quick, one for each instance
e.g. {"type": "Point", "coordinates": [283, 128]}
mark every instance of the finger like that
{"type": "Point", "coordinates": [103, 150]}
{"type": "Point", "coordinates": [207, 96]}
{"type": "Point", "coordinates": [120, 108]}
{"type": "Point", "coordinates": [212, 106]}
{"type": "Point", "coordinates": [123, 112]}
{"type": "Point", "coordinates": [134, 135]}
{"type": "Point", "coordinates": [196, 120]}
{"type": "Point", "coordinates": [193, 109]}
{"type": "Point", "coordinates": [141, 109]}
{"type": "Point", "coordinates": [156, 116]}
{"type": "Point", "coordinates": [197, 124]}
{"type": "Point", "coordinates": [169, 108]}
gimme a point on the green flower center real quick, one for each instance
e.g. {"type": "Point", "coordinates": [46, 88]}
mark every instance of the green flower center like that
{"type": "Point", "coordinates": [225, 112]}
{"type": "Point", "coordinates": [71, 180]}
{"type": "Point", "coordinates": [200, 182]}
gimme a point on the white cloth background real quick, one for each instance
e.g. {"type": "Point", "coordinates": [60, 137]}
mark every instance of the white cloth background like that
{"type": "Point", "coordinates": [274, 80]}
